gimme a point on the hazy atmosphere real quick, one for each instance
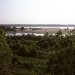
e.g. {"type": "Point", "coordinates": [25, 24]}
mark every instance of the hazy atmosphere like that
{"type": "Point", "coordinates": [37, 11]}
{"type": "Point", "coordinates": [37, 37]}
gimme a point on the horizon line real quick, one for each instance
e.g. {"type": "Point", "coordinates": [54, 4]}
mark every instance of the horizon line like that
{"type": "Point", "coordinates": [38, 24]}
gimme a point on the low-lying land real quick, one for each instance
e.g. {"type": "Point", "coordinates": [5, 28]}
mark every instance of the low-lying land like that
{"type": "Point", "coordinates": [9, 29]}
{"type": "Point", "coordinates": [40, 30]}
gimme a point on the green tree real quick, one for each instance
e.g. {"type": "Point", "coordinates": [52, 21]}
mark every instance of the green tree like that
{"type": "Point", "coordinates": [45, 44]}
{"type": "Point", "coordinates": [22, 51]}
{"type": "Point", "coordinates": [46, 34]}
{"type": "Point", "coordinates": [22, 28]}
{"type": "Point", "coordinates": [59, 33]}
{"type": "Point", "coordinates": [14, 30]}
{"type": "Point", "coordinates": [5, 56]}
{"type": "Point", "coordinates": [2, 32]}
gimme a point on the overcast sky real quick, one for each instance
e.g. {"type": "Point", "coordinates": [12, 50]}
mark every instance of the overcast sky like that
{"type": "Point", "coordinates": [37, 11]}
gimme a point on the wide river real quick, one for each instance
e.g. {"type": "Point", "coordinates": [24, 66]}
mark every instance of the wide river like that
{"type": "Point", "coordinates": [38, 26]}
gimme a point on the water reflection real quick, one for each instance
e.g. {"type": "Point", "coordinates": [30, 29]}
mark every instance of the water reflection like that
{"type": "Point", "coordinates": [20, 34]}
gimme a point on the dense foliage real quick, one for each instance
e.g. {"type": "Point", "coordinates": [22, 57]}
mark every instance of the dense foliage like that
{"type": "Point", "coordinates": [43, 55]}
{"type": "Point", "coordinates": [5, 55]}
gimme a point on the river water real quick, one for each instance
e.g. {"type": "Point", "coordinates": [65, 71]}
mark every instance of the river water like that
{"type": "Point", "coordinates": [38, 26]}
{"type": "Point", "coordinates": [20, 34]}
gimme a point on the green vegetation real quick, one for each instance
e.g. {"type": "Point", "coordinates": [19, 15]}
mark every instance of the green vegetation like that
{"type": "Point", "coordinates": [38, 55]}
{"type": "Point", "coordinates": [6, 28]}
{"type": "Point", "coordinates": [22, 28]}
{"type": "Point", "coordinates": [5, 55]}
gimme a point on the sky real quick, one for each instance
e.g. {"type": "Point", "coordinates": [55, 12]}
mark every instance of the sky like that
{"type": "Point", "coordinates": [37, 11]}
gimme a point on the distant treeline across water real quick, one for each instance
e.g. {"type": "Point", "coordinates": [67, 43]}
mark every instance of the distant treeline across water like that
{"type": "Point", "coordinates": [39, 25]}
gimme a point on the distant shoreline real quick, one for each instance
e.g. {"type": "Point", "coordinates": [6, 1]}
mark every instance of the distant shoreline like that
{"type": "Point", "coordinates": [39, 25]}
{"type": "Point", "coordinates": [41, 31]}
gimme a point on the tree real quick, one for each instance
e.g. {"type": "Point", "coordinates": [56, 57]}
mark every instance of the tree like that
{"type": "Point", "coordinates": [14, 30]}
{"type": "Point", "coordinates": [22, 28]}
{"type": "Point", "coordinates": [22, 51]}
{"type": "Point", "coordinates": [46, 34]}
{"type": "Point", "coordinates": [59, 33]}
{"type": "Point", "coordinates": [5, 56]}
{"type": "Point", "coordinates": [2, 32]}
{"type": "Point", "coordinates": [45, 44]}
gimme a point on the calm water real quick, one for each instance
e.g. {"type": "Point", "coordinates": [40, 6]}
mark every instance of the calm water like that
{"type": "Point", "coordinates": [20, 34]}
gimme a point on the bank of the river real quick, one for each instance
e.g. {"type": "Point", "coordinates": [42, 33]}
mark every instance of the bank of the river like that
{"type": "Point", "coordinates": [38, 31]}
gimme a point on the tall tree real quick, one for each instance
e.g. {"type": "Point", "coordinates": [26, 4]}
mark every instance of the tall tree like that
{"type": "Point", "coordinates": [5, 56]}
{"type": "Point", "coordinates": [2, 32]}
{"type": "Point", "coordinates": [14, 30]}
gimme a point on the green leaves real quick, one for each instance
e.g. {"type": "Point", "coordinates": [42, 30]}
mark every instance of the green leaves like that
{"type": "Point", "coordinates": [59, 33]}
{"type": "Point", "coordinates": [52, 55]}
{"type": "Point", "coordinates": [5, 56]}
{"type": "Point", "coordinates": [2, 32]}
